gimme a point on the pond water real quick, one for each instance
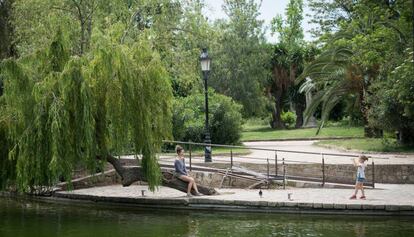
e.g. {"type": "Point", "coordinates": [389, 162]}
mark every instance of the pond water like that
{"type": "Point", "coordinates": [21, 218]}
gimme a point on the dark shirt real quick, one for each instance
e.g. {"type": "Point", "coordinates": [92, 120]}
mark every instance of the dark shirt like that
{"type": "Point", "coordinates": [179, 165]}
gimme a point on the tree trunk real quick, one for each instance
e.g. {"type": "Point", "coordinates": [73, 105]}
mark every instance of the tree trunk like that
{"type": "Point", "coordinates": [84, 13]}
{"type": "Point", "coordinates": [406, 136]}
{"type": "Point", "coordinates": [372, 132]}
{"type": "Point", "coordinates": [132, 174]}
{"type": "Point", "coordinates": [277, 112]}
{"type": "Point", "coordinates": [299, 109]}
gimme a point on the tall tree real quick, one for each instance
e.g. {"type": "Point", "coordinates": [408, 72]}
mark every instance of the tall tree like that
{"type": "Point", "coordinates": [241, 56]}
{"type": "Point", "coordinates": [178, 30]}
{"type": "Point", "coordinates": [287, 62]}
{"type": "Point", "coordinates": [374, 36]}
{"type": "Point", "coordinates": [87, 97]}
{"type": "Point", "coordinates": [72, 111]}
{"type": "Point", "coordinates": [393, 101]}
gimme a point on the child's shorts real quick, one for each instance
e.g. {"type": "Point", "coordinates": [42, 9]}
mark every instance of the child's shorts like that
{"type": "Point", "coordinates": [360, 180]}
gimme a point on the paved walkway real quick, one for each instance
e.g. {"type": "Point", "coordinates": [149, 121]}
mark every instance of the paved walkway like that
{"type": "Point", "coordinates": [307, 146]}
{"type": "Point", "coordinates": [386, 199]}
{"type": "Point", "coordinates": [401, 194]}
{"type": "Point", "coordinates": [394, 198]}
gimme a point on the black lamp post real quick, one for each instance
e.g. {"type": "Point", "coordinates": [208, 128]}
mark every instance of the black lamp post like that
{"type": "Point", "coordinates": [205, 68]}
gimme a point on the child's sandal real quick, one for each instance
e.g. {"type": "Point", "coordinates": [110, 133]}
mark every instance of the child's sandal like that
{"type": "Point", "coordinates": [353, 197]}
{"type": "Point", "coordinates": [363, 197]}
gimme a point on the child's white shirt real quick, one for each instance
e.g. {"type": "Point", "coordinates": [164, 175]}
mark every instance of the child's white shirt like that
{"type": "Point", "coordinates": [361, 170]}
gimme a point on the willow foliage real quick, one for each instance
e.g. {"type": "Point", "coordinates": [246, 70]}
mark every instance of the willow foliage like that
{"type": "Point", "coordinates": [60, 112]}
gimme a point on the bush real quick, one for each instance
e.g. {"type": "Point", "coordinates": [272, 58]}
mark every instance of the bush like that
{"type": "Point", "coordinates": [392, 103]}
{"type": "Point", "coordinates": [225, 119]}
{"type": "Point", "coordinates": [289, 119]}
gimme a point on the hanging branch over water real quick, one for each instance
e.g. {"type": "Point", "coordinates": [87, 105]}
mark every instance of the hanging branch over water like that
{"type": "Point", "coordinates": [129, 175]}
{"type": "Point", "coordinates": [60, 112]}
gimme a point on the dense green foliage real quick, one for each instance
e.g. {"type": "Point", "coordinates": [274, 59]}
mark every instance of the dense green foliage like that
{"type": "Point", "coordinates": [393, 101]}
{"type": "Point", "coordinates": [6, 29]}
{"type": "Point", "coordinates": [364, 44]}
{"type": "Point", "coordinates": [289, 119]}
{"type": "Point", "coordinates": [288, 59]}
{"type": "Point", "coordinates": [225, 119]}
{"type": "Point", "coordinates": [240, 56]}
{"type": "Point", "coordinates": [61, 111]}
{"type": "Point", "coordinates": [89, 79]}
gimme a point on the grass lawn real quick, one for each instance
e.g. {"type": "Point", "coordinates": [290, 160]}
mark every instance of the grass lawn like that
{"type": "Point", "coordinates": [366, 144]}
{"type": "Point", "coordinates": [263, 132]}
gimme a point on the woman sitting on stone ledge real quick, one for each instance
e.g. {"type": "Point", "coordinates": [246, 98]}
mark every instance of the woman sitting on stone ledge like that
{"type": "Point", "coordinates": [181, 171]}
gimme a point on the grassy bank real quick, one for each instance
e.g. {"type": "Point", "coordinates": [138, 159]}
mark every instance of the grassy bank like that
{"type": "Point", "coordinates": [263, 132]}
{"type": "Point", "coordinates": [366, 144]}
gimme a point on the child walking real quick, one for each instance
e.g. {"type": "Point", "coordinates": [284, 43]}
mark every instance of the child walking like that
{"type": "Point", "coordinates": [360, 178]}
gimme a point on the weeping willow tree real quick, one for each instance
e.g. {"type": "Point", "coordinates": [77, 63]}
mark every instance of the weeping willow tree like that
{"type": "Point", "coordinates": [59, 112]}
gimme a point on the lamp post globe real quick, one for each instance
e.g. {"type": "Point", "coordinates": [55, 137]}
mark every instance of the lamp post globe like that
{"type": "Point", "coordinates": [205, 68]}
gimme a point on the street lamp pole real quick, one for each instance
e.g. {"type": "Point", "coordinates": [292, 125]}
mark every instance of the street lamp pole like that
{"type": "Point", "coordinates": [205, 68]}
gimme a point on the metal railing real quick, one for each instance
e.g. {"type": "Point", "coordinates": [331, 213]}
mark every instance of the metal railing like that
{"type": "Point", "coordinates": [323, 177]}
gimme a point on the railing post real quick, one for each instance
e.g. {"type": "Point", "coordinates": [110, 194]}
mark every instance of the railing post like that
{"type": "Point", "coordinates": [323, 170]}
{"type": "Point", "coordinates": [373, 174]}
{"type": "Point", "coordinates": [231, 158]}
{"type": "Point", "coordinates": [268, 169]}
{"type": "Point", "coordinates": [276, 163]}
{"type": "Point", "coordinates": [189, 150]}
{"type": "Point", "coordinates": [284, 173]}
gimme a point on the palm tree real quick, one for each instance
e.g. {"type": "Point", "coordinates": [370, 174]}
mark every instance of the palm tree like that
{"type": "Point", "coordinates": [281, 80]}
{"type": "Point", "coordinates": [334, 77]}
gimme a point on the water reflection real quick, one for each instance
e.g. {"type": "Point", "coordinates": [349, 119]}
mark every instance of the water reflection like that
{"type": "Point", "coordinates": [26, 218]}
{"type": "Point", "coordinates": [359, 229]}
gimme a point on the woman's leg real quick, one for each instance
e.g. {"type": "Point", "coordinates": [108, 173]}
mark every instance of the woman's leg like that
{"type": "Point", "coordinates": [190, 181]}
{"type": "Point", "coordinates": [195, 186]}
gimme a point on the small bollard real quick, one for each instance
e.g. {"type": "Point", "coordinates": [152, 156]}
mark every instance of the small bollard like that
{"type": "Point", "coordinates": [143, 193]}
{"type": "Point", "coordinates": [290, 196]}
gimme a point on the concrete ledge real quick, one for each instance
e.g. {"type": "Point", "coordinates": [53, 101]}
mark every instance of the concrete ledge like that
{"type": "Point", "coordinates": [317, 205]}
{"type": "Point", "coordinates": [353, 206]}
{"type": "Point", "coordinates": [212, 204]}
{"type": "Point", "coordinates": [339, 206]}
{"type": "Point", "coordinates": [137, 200]}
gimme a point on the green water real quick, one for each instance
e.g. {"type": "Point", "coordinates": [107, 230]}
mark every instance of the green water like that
{"type": "Point", "coordinates": [30, 218]}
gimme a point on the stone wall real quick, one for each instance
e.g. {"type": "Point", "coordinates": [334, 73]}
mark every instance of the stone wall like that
{"type": "Point", "coordinates": [110, 177]}
{"type": "Point", "coordinates": [215, 180]}
{"type": "Point", "coordinates": [394, 174]}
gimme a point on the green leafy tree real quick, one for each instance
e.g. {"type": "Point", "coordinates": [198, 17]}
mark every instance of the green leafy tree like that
{"type": "Point", "coordinates": [287, 62]}
{"type": "Point", "coordinates": [333, 79]}
{"type": "Point", "coordinates": [393, 101]}
{"type": "Point", "coordinates": [240, 56]}
{"type": "Point", "coordinates": [178, 30]}
{"type": "Point", "coordinates": [191, 35]}
{"type": "Point", "coordinates": [224, 116]}
{"type": "Point", "coordinates": [94, 93]}
{"type": "Point", "coordinates": [60, 111]}
{"type": "Point", "coordinates": [363, 48]}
